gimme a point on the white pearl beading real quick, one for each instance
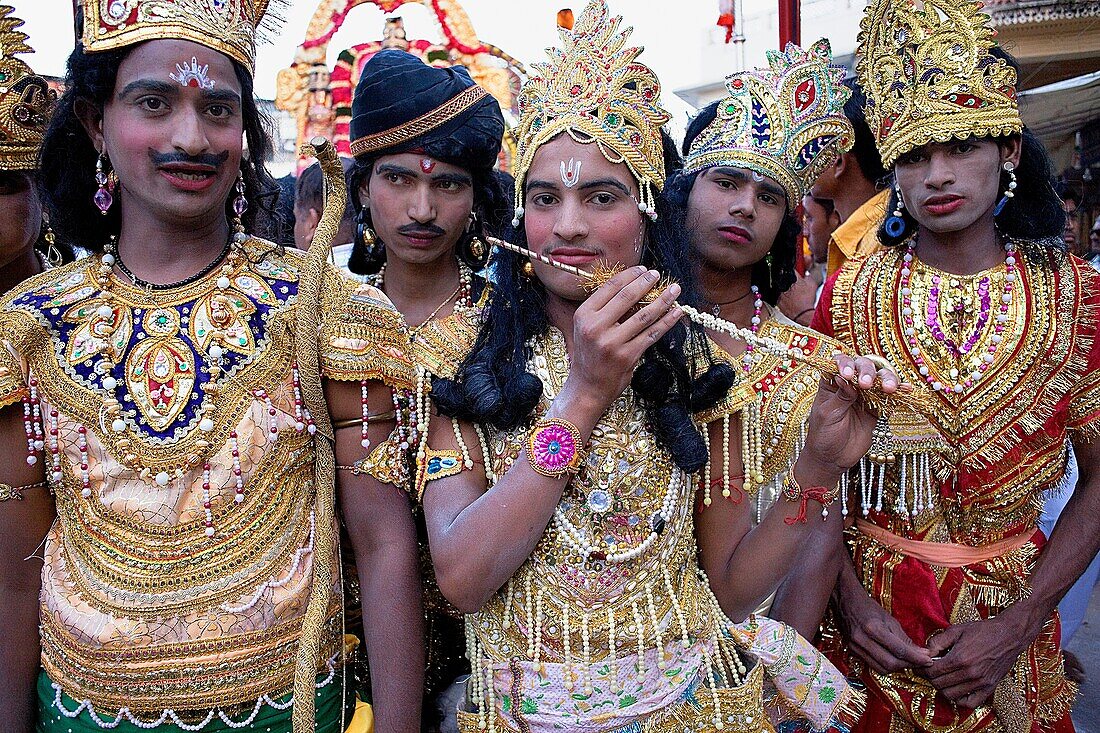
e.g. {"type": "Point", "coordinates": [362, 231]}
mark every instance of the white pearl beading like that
{"type": "Point", "coordinates": [586, 548]}
{"type": "Point", "coordinates": [299, 554]}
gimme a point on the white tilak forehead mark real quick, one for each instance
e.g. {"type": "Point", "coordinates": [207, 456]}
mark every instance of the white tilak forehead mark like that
{"type": "Point", "coordinates": [571, 172]}
{"type": "Point", "coordinates": [193, 75]}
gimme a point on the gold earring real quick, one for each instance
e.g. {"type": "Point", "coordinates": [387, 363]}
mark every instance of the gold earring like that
{"type": "Point", "coordinates": [477, 248]}
{"type": "Point", "coordinates": [528, 269]}
{"type": "Point", "coordinates": [53, 254]}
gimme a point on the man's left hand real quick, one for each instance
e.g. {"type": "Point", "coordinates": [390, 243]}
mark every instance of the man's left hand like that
{"type": "Point", "coordinates": [973, 658]}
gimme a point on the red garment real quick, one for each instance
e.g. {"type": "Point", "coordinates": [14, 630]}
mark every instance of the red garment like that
{"type": "Point", "coordinates": [1006, 442]}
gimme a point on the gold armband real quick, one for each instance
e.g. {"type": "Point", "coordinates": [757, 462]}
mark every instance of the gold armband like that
{"type": "Point", "coordinates": [16, 492]}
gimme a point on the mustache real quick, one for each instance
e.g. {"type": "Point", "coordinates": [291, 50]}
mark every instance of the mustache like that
{"type": "Point", "coordinates": [421, 230]}
{"type": "Point", "coordinates": [207, 159]}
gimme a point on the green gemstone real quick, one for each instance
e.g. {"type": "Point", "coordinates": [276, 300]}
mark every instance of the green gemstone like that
{"type": "Point", "coordinates": [613, 120]}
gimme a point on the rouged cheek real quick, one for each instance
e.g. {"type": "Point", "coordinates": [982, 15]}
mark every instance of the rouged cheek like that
{"type": "Point", "coordinates": [620, 233]}
{"type": "Point", "coordinates": [539, 229]}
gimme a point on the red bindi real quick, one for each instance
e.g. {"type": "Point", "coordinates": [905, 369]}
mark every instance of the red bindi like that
{"type": "Point", "coordinates": [427, 165]}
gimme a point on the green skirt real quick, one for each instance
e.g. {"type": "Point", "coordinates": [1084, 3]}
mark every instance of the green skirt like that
{"type": "Point", "coordinates": [331, 715]}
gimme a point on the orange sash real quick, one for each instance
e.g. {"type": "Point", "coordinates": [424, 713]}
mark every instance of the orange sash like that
{"type": "Point", "coordinates": [943, 554]}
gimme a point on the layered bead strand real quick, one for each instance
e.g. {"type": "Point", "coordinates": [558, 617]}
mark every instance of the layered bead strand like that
{"type": "Point", "coordinates": [302, 418]}
{"type": "Point", "coordinates": [962, 381]}
{"type": "Point", "coordinates": [32, 423]}
{"type": "Point", "coordinates": [757, 309]}
{"type": "Point", "coordinates": [364, 400]}
{"type": "Point", "coordinates": [55, 447]}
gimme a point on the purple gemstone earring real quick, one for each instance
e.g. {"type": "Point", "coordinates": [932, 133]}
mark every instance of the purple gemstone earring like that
{"type": "Point", "coordinates": [103, 198]}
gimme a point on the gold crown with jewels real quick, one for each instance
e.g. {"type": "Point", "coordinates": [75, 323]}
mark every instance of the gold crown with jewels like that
{"type": "Point", "coordinates": [594, 89]}
{"type": "Point", "coordinates": [26, 101]}
{"type": "Point", "coordinates": [227, 26]}
{"type": "Point", "coordinates": [785, 121]}
{"type": "Point", "coordinates": [929, 75]}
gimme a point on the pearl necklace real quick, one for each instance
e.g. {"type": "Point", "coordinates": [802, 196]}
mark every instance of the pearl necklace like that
{"type": "Point", "coordinates": [757, 309]}
{"type": "Point", "coordinates": [931, 321]}
{"type": "Point", "coordinates": [464, 291]}
{"type": "Point", "coordinates": [573, 536]}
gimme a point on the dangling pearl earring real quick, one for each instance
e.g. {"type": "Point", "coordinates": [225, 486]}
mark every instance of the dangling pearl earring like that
{"type": "Point", "coordinates": [103, 198]}
{"type": "Point", "coordinates": [895, 224]}
{"type": "Point", "coordinates": [1010, 169]}
{"type": "Point", "coordinates": [240, 205]}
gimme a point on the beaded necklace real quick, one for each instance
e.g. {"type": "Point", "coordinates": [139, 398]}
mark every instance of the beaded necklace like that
{"type": "Point", "coordinates": [599, 499]}
{"type": "Point", "coordinates": [406, 404]}
{"type": "Point", "coordinates": [112, 248]}
{"type": "Point", "coordinates": [106, 318]}
{"type": "Point", "coordinates": [960, 381]}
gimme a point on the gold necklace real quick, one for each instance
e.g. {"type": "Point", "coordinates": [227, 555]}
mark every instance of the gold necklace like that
{"type": "Point", "coordinates": [414, 330]}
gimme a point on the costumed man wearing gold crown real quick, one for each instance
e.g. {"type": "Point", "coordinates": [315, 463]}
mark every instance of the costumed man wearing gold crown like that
{"type": "Point", "coordinates": [27, 244]}
{"type": "Point", "coordinates": [168, 392]}
{"type": "Point", "coordinates": [558, 475]}
{"type": "Point", "coordinates": [425, 140]}
{"type": "Point", "coordinates": [750, 158]}
{"type": "Point", "coordinates": [949, 599]}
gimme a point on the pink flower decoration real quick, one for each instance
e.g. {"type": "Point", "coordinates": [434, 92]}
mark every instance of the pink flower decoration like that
{"type": "Point", "coordinates": [554, 447]}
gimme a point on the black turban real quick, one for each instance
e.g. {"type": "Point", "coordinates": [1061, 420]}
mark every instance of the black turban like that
{"type": "Point", "coordinates": [401, 104]}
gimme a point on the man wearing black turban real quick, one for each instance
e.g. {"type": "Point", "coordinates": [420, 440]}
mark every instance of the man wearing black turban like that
{"type": "Point", "coordinates": [425, 140]}
{"type": "Point", "coordinates": [434, 136]}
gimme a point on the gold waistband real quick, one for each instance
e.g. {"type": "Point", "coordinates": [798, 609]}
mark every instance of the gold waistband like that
{"type": "Point", "coordinates": [201, 675]}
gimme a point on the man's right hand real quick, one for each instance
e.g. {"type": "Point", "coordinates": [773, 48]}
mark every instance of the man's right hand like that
{"type": "Point", "coordinates": [874, 634]}
{"type": "Point", "coordinates": [609, 340]}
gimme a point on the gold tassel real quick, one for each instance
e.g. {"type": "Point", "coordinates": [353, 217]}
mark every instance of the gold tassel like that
{"type": "Point", "coordinates": [324, 467]}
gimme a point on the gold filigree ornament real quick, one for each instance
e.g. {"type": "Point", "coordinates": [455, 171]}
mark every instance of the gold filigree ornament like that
{"type": "Point", "coordinates": [785, 121]}
{"type": "Point", "coordinates": [26, 101]}
{"type": "Point", "coordinates": [594, 89]}
{"type": "Point", "coordinates": [227, 26]}
{"type": "Point", "coordinates": [930, 76]}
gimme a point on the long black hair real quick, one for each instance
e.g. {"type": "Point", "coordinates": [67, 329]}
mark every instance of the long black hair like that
{"type": "Point", "coordinates": [773, 276]}
{"type": "Point", "coordinates": [493, 385]}
{"type": "Point", "coordinates": [492, 213]}
{"type": "Point", "coordinates": [1034, 217]}
{"type": "Point", "coordinates": [68, 157]}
